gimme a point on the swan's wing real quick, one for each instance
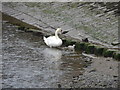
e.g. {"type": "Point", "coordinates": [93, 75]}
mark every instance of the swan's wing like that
{"type": "Point", "coordinates": [50, 41]}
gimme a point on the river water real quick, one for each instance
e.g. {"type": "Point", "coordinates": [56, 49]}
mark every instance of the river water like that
{"type": "Point", "coordinates": [28, 62]}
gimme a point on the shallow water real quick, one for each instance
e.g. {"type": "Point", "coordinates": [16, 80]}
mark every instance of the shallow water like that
{"type": "Point", "coordinates": [28, 62]}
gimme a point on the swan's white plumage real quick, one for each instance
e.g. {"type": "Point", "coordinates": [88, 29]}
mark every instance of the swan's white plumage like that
{"type": "Point", "coordinates": [53, 41]}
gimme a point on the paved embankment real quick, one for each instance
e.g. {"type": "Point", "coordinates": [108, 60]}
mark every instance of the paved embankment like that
{"type": "Point", "coordinates": [96, 21]}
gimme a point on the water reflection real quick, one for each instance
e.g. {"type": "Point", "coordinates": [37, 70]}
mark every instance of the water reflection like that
{"type": "Point", "coordinates": [53, 56]}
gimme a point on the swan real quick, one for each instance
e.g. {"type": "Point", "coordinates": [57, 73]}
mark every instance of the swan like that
{"type": "Point", "coordinates": [71, 46]}
{"type": "Point", "coordinates": [53, 41]}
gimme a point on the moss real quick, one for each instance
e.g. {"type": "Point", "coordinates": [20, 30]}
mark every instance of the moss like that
{"type": "Point", "coordinates": [24, 29]}
{"type": "Point", "coordinates": [81, 46]}
{"type": "Point", "coordinates": [30, 4]}
{"type": "Point", "coordinates": [86, 46]}
{"type": "Point", "coordinates": [49, 11]}
{"type": "Point", "coordinates": [90, 49]}
{"type": "Point", "coordinates": [108, 53]}
{"type": "Point", "coordinates": [74, 5]}
{"type": "Point", "coordinates": [99, 50]}
{"type": "Point", "coordinates": [21, 28]}
{"type": "Point", "coordinates": [68, 42]}
{"type": "Point", "coordinates": [116, 56]}
{"type": "Point", "coordinates": [78, 47]}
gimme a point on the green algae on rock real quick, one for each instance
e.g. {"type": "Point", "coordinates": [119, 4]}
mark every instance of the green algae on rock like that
{"type": "Point", "coordinates": [68, 42]}
{"type": "Point", "coordinates": [81, 46]}
{"type": "Point", "coordinates": [108, 53]}
{"type": "Point", "coordinates": [116, 56]}
{"type": "Point", "coordinates": [90, 49]}
{"type": "Point", "coordinates": [99, 50]}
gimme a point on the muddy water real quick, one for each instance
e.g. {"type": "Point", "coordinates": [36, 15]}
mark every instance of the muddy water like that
{"type": "Point", "coordinates": [28, 62]}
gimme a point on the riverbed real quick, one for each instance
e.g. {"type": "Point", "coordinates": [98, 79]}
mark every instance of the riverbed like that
{"type": "Point", "coordinates": [28, 63]}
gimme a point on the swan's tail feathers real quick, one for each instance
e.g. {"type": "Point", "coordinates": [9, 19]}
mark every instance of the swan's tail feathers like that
{"type": "Point", "coordinates": [45, 40]}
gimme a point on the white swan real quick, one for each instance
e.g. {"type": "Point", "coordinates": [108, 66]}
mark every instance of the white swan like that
{"type": "Point", "coordinates": [54, 41]}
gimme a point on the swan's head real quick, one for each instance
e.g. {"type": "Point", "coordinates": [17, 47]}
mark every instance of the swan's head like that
{"type": "Point", "coordinates": [59, 30]}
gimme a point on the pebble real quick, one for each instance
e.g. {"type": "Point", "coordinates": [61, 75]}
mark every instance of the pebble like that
{"type": "Point", "coordinates": [59, 86]}
{"type": "Point", "coordinates": [92, 70]}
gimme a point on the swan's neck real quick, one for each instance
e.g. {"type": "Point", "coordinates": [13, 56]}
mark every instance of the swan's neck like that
{"type": "Point", "coordinates": [56, 34]}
